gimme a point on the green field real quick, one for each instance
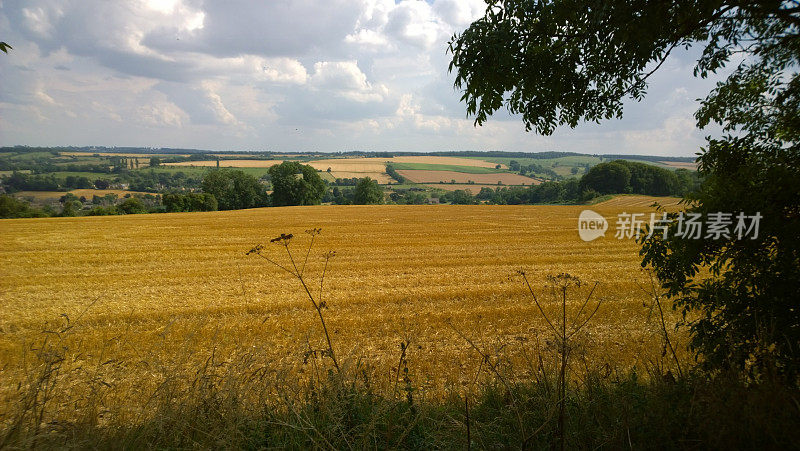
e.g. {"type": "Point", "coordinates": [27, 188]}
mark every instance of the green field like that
{"type": "Point", "coordinates": [23, 171]}
{"type": "Point", "coordinates": [25, 155]}
{"type": "Point", "coordinates": [326, 176]}
{"type": "Point", "coordinates": [90, 175]}
{"type": "Point", "coordinates": [561, 166]}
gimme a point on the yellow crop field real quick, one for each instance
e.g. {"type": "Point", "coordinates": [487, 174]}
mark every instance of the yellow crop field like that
{"type": "Point", "coordinates": [229, 163]}
{"type": "Point", "coordinates": [345, 165]}
{"type": "Point", "coordinates": [381, 177]}
{"type": "Point", "coordinates": [139, 297]}
{"type": "Point", "coordinates": [427, 176]}
{"type": "Point", "coordinates": [124, 155]}
{"type": "Point", "coordinates": [378, 164]}
{"type": "Point", "coordinates": [349, 164]}
{"type": "Point", "coordinates": [455, 161]}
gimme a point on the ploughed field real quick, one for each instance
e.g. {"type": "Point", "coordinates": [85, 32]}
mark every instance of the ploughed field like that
{"type": "Point", "coordinates": [139, 300]}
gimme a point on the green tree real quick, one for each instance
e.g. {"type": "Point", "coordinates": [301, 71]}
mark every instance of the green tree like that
{"type": "Point", "coordinates": [651, 180]}
{"type": "Point", "coordinates": [234, 189]}
{"type": "Point", "coordinates": [394, 174]}
{"type": "Point", "coordinates": [132, 205]}
{"type": "Point", "coordinates": [607, 178]}
{"type": "Point", "coordinates": [71, 208]}
{"type": "Point", "coordinates": [155, 162]}
{"type": "Point", "coordinates": [176, 202]}
{"type": "Point", "coordinates": [69, 197]}
{"type": "Point", "coordinates": [460, 197]}
{"type": "Point", "coordinates": [11, 207]}
{"type": "Point", "coordinates": [368, 192]}
{"type": "Point", "coordinates": [559, 63]}
{"type": "Point", "coordinates": [485, 193]}
{"type": "Point", "coordinates": [296, 184]}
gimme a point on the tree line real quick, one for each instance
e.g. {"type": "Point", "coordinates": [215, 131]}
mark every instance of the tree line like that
{"type": "Point", "coordinates": [294, 183]}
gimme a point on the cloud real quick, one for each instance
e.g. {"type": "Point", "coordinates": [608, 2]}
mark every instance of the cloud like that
{"type": "Point", "coordinates": [282, 74]}
{"type": "Point", "coordinates": [414, 22]}
{"type": "Point", "coordinates": [345, 79]}
{"type": "Point", "coordinates": [459, 13]}
{"type": "Point", "coordinates": [202, 104]}
{"type": "Point", "coordinates": [275, 28]}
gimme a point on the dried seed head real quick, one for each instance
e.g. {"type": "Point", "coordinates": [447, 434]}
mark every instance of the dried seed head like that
{"type": "Point", "coordinates": [564, 280]}
{"type": "Point", "coordinates": [256, 250]}
{"type": "Point", "coordinates": [283, 239]}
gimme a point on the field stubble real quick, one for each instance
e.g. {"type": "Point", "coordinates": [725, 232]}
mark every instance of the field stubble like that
{"type": "Point", "coordinates": [148, 298]}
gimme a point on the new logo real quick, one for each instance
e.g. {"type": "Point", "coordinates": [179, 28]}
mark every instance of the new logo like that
{"type": "Point", "coordinates": [591, 225]}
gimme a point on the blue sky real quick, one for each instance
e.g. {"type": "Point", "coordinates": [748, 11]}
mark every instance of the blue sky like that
{"type": "Point", "coordinates": [285, 75]}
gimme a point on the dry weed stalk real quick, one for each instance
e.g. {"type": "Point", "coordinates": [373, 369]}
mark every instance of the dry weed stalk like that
{"type": "Point", "coordinates": [563, 330]}
{"type": "Point", "coordinates": [299, 274]}
{"type": "Point", "coordinates": [652, 290]}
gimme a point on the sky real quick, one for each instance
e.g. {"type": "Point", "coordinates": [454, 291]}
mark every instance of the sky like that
{"type": "Point", "coordinates": [284, 75]}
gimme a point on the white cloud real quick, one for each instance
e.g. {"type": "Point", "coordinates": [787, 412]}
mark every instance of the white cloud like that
{"type": "Point", "coordinates": [283, 70]}
{"type": "Point", "coordinates": [284, 74]}
{"type": "Point", "coordinates": [345, 79]}
{"type": "Point", "coordinates": [459, 13]}
{"type": "Point", "coordinates": [414, 22]}
{"type": "Point", "coordinates": [368, 38]}
{"type": "Point", "coordinates": [161, 114]}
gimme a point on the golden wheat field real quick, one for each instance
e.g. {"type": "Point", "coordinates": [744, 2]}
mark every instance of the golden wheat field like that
{"type": "Point", "coordinates": [429, 176]}
{"type": "Point", "coordinates": [123, 155]}
{"type": "Point", "coordinates": [228, 163]}
{"type": "Point", "coordinates": [139, 299]}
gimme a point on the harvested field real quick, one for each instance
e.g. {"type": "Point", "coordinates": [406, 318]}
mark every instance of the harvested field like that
{"type": "Point", "coordinates": [454, 161]}
{"type": "Point", "coordinates": [228, 163]}
{"type": "Point", "coordinates": [381, 177]}
{"type": "Point", "coordinates": [371, 165]}
{"type": "Point", "coordinates": [349, 165]}
{"type": "Point", "coordinates": [127, 155]}
{"type": "Point", "coordinates": [421, 176]}
{"type": "Point", "coordinates": [636, 201]}
{"type": "Point", "coordinates": [451, 161]}
{"type": "Point", "coordinates": [156, 295]}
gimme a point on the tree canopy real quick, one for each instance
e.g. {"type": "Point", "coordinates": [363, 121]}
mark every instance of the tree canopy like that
{"type": "Point", "coordinates": [621, 176]}
{"type": "Point", "coordinates": [560, 62]}
{"type": "Point", "coordinates": [368, 192]}
{"type": "Point", "coordinates": [234, 189]}
{"type": "Point", "coordinates": [296, 184]}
